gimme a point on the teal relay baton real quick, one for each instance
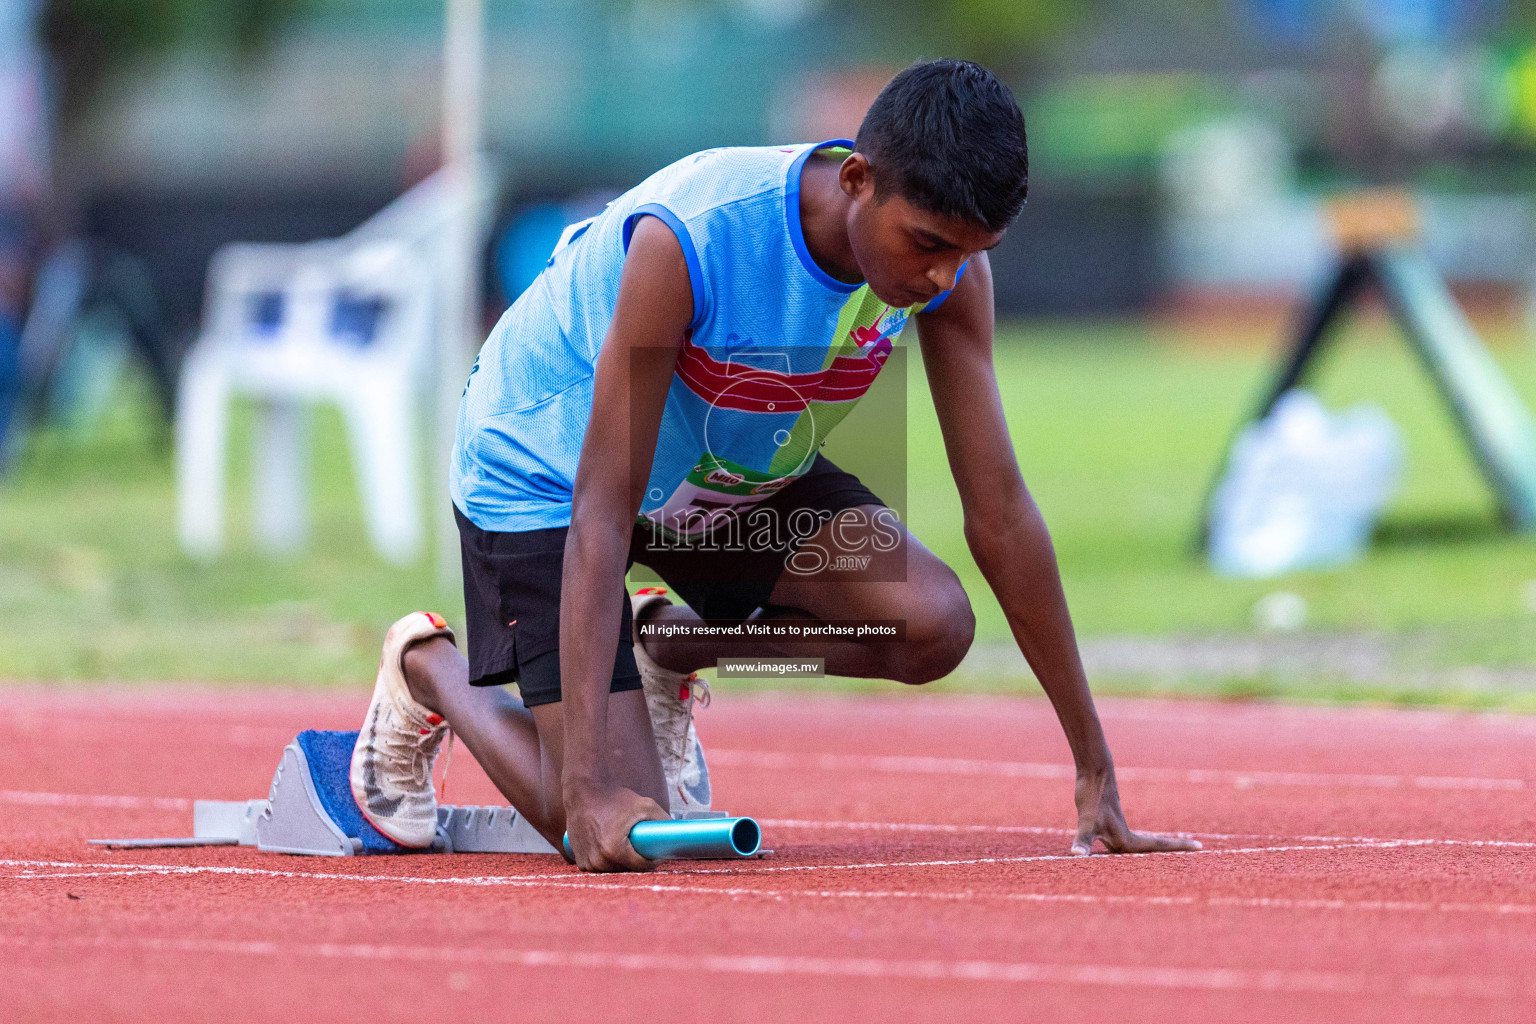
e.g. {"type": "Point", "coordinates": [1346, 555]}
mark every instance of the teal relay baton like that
{"type": "Point", "coordinates": [693, 839]}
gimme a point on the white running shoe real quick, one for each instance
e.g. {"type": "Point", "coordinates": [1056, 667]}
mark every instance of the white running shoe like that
{"type": "Point", "coordinates": [670, 697]}
{"type": "Point", "coordinates": [392, 761]}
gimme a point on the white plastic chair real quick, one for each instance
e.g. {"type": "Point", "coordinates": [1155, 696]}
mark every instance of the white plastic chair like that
{"type": "Point", "coordinates": [348, 321]}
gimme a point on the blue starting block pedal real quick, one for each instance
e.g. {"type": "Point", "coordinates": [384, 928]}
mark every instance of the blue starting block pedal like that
{"type": "Point", "coordinates": [309, 810]}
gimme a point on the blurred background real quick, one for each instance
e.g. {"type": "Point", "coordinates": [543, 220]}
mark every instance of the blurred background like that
{"type": "Point", "coordinates": [1183, 156]}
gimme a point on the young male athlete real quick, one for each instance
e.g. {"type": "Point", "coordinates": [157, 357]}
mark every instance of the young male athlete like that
{"type": "Point", "coordinates": [669, 377]}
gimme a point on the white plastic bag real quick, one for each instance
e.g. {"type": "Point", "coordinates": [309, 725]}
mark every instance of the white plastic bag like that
{"type": "Point", "coordinates": [1303, 488]}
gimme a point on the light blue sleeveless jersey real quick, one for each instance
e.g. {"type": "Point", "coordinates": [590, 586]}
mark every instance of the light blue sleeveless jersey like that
{"type": "Point", "coordinates": [776, 355]}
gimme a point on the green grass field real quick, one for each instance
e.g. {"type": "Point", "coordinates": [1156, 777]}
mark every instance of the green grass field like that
{"type": "Point", "coordinates": [1118, 441]}
{"type": "Point", "coordinates": [1118, 428]}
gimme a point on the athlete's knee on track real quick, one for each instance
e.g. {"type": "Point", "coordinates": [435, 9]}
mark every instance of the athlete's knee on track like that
{"type": "Point", "coordinates": [938, 637]}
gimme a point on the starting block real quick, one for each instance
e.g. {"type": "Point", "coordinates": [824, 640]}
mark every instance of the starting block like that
{"type": "Point", "coordinates": [310, 810]}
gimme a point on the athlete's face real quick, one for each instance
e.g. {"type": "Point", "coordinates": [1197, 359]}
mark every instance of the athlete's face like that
{"type": "Point", "coordinates": [907, 254]}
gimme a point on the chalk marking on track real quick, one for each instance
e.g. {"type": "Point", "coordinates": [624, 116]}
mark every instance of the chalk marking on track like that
{"type": "Point", "coordinates": [617, 882]}
{"type": "Point", "coordinates": [133, 803]}
{"type": "Point", "coordinates": [1354, 717]}
{"type": "Point", "coordinates": [137, 803]}
{"type": "Point", "coordinates": [1026, 710]}
{"type": "Point", "coordinates": [32, 876]}
{"type": "Point", "coordinates": [1485, 987]}
{"type": "Point", "coordinates": [52, 728]}
{"type": "Point", "coordinates": [778, 761]}
{"type": "Point", "coordinates": [157, 704]}
{"type": "Point", "coordinates": [902, 826]}
{"type": "Point", "coordinates": [148, 870]}
{"type": "Point", "coordinates": [969, 861]}
{"type": "Point", "coordinates": [912, 765]}
{"type": "Point", "coordinates": [737, 892]}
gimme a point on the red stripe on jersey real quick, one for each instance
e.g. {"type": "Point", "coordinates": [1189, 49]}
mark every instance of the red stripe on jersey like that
{"type": "Point", "coordinates": [753, 389]}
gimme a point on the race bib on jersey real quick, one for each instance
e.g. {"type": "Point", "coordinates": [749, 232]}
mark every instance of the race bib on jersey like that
{"type": "Point", "coordinates": [713, 492]}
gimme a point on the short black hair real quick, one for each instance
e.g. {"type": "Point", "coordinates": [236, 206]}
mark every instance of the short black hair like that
{"type": "Point", "coordinates": [948, 137]}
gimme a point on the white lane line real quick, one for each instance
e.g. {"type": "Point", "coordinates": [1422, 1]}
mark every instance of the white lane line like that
{"type": "Point", "coordinates": [953, 829]}
{"type": "Point", "coordinates": [78, 729]}
{"type": "Point", "coordinates": [1341, 718]}
{"type": "Point", "coordinates": [27, 798]}
{"type": "Point", "coordinates": [1411, 906]}
{"type": "Point", "coordinates": [966, 896]}
{"type": "Point", "coordinates": [676, 870]}
{"type": "Point", "coordinates": [228, 870]}
{"type": "Point", "coordinates": [1481, 987]}
{"type": "Point", "coordinates": [969, 861]}
{"type": "Point", "coordinates": [32, 876]}
{"type": "Point", "coordinates": [780, 761]}
{"type": "Point", "coordinates": [40, 870]}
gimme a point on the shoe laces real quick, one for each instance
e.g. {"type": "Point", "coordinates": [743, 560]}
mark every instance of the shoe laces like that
{"type": "Point", "coordinates": [411, 749]}
{"type": "Point", "coordinates": [676, 715]}
{"type": "Point", "coordinates": [442, 787]}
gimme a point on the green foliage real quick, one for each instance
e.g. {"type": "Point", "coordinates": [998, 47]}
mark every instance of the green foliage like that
{"type": "Point", "coordinates": [1105, 125]}
{"type": "Point", "coordinates": [1006, 34]}
{"type": "Point", "coordinates": [993, 32]}
{"type": "Point", "coordinates": [91, 40]}
{"type": "Point", "coordinates": [996, 30]}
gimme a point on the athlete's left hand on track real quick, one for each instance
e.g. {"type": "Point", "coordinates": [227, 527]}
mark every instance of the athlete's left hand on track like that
{"type": "Point", "coordinates": [1099, 817]}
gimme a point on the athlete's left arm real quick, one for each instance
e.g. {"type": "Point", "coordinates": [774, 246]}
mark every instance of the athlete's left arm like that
{"type": "Point", "coordinates": [1008, 538]}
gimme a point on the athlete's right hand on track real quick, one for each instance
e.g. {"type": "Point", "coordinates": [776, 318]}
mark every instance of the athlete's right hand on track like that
{"type": "Point", "coordinates": [1099, 817]}
{"type": "Point", "coordinates": [598, 823]}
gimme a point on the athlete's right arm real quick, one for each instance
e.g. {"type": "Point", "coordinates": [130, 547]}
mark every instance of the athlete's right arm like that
{"type": "Point", "coordinates": [634, 372]}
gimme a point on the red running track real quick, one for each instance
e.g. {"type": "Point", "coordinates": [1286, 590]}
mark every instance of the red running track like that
{"type": "Point", "coordinates": [1359, 865]}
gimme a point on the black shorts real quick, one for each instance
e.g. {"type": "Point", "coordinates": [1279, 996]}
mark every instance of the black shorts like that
{"type": "Point", "coordinates": [512, 585]}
